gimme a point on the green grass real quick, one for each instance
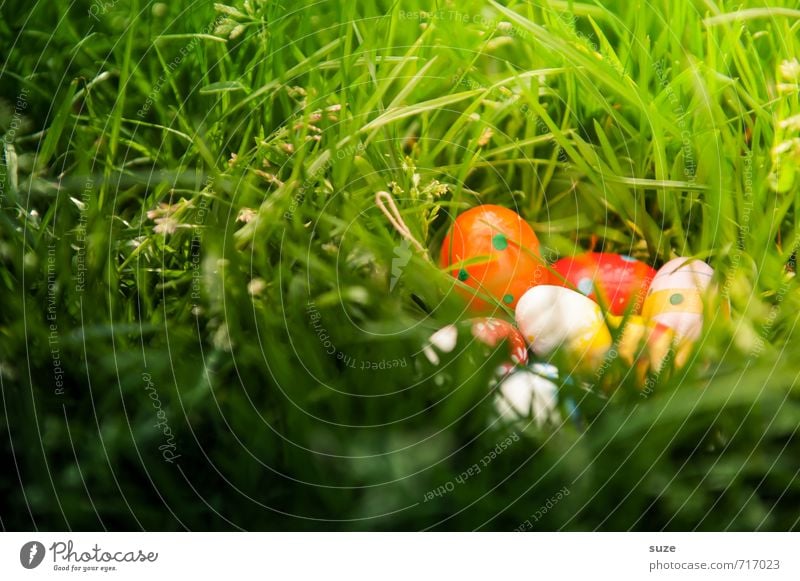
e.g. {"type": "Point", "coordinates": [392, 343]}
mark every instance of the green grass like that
{"type": "Point", "coordinates": [251, 309]}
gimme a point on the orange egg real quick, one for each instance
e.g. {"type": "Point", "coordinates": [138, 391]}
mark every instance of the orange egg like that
{"type": "Point", "coordinates": [496, 253]}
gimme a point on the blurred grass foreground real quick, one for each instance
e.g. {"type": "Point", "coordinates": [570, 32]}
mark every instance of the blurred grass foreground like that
{"type": "Point", "coordinates": [207, 323]}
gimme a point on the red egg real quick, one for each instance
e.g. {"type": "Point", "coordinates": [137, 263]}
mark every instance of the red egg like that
{"type": "Point", "coordinates": [496, 253]}
{"type": "Point", "coordinates": [491, 331]}
{"type": "Point", "coordinates": [621, 281]}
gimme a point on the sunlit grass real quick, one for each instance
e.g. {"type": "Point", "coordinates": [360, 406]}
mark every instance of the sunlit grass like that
{"type": "Point", "coordinates": [256, 136]}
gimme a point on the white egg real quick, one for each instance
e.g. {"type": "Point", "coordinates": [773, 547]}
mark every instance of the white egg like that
{"type": "Point", "coordinates": [682, 273]}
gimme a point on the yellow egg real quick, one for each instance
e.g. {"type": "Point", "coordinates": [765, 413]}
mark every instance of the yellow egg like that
{"type": "Point", "coordinates": [676, 296]}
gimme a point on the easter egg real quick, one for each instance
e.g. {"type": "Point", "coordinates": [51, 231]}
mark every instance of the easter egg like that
{"type": "Point", "coordinates": [675, 296]}
{"type": "Point", "coordinates": [527, 394]}
{"type": "Point", "coordinates": [488, 331]}
{"type": "Point", "coordinates": [621, 281]}
{"type": "Point", "coordinates": [643, 344]}
{"type": "Point", "coordinates": [494, 251]}
{"type": "Point", "coordinates": [553, 317]}
{"type": "Point", "coordinates": [491, 331]}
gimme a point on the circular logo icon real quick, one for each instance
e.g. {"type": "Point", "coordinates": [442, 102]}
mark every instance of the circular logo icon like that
{"type": "Point", "coordinates": [31, 554]}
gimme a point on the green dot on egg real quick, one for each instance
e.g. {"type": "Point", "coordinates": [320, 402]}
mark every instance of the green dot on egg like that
{"type": "Point", "coordinates": [499, 241]}
{"type": "Point", "coordinates": [676, 299]}
{"type": "Point", "coordinates": [508, 299]}
{"type": "Point", "coordinates": [463, 275]}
